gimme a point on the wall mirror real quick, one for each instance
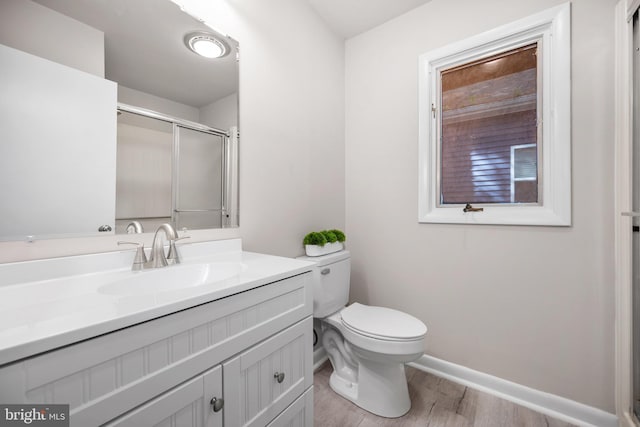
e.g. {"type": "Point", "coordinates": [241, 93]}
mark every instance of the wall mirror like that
{"type": "Point", "coordinates": [175, 152]}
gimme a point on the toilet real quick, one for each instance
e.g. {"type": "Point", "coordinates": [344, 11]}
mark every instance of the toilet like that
{"type": "Point", "coordinates": [367, 345]}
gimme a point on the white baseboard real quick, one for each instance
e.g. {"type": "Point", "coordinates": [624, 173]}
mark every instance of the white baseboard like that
{"type": "Point", "coordinates": [546, 403]}
{"type": "Point", "coordinates": [319, 357]}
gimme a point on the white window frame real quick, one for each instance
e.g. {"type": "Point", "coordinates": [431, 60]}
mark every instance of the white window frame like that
{"type": "Point", "coordinates": [552, 29]}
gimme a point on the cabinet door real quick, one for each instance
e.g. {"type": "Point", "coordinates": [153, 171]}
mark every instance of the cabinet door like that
{"type": "Point", "coordinates": [298, 414]}
{"type": "Point", "coordinates": [188, 405]}
{"type": "Point", "coordinates": [261, 382]}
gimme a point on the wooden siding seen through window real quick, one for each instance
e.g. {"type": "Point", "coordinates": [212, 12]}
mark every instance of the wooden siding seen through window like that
{"type": "Point", "coordinates": [487, 107]}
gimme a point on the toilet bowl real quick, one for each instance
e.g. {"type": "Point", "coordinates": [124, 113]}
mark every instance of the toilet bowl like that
{"type": "Point", "coordinates": [366, 345]}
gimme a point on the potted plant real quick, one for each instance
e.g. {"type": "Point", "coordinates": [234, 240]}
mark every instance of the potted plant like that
{"type": "Point", "coordinates": [323, 242]}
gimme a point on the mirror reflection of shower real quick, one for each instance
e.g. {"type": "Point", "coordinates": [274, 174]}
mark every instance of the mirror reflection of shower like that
{"type": "Point", "coordinates": [173, 170]}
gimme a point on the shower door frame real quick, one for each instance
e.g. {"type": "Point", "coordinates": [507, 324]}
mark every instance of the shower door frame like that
{"type": "Point", "coordinates": [623, 116]}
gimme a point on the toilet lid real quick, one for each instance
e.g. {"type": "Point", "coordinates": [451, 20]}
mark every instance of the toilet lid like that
{"type": "Point", "coordinates": [382, 322]}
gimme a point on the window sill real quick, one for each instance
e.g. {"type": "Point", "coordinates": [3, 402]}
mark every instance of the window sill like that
{"type": "Point", "coordinates": [498, 215]}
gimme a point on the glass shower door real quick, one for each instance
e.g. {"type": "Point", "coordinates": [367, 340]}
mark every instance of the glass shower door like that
{"type": "Point", "coordinates": [199, 200]}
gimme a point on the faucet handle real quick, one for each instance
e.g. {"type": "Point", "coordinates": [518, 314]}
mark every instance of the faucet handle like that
{"type": "Point", "coordinates": [140, 259]}
{"type": "Point", "coordinates": [173, 257]}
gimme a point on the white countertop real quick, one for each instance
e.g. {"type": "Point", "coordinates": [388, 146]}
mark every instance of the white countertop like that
{"type": "Point", "coordinates": [54, 308]}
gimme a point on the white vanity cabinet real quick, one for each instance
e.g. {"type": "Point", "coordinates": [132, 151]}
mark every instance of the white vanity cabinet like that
{"type": "Point", "coordinates": [252, 350]}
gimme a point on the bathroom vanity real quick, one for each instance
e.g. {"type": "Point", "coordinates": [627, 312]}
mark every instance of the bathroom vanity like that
{"type": "Point", "coordinates": [208, 347]}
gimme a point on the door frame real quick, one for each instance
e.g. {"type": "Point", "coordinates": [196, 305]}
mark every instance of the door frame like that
{"type": "Point", "coordinates": [623, 203]}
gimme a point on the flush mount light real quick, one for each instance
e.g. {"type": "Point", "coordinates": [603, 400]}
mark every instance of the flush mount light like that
{"type": "Point", "coordinates": [207, 45]}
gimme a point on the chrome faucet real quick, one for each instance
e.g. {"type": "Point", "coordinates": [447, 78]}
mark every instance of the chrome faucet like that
{"type": "Point", "coordinates": [158, 258]}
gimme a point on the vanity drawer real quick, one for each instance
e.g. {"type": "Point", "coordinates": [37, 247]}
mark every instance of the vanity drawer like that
{"type": "Point", "coordinates": [261, 382]}
{"type": "Point", "coordinates": [111, 374]}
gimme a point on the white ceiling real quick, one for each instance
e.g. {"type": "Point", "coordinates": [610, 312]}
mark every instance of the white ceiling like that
{"type": "Point", "coordinates": [348, 18]}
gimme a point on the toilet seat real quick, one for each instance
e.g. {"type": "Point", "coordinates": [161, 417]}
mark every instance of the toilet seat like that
{"type": "Point", "coordinates": [382, 323]}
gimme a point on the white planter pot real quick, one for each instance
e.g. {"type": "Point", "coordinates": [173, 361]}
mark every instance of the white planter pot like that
{"type": "Point", "coordinates": [328, 248]}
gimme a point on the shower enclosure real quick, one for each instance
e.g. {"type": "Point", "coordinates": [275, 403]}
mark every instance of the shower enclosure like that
{"type": "Point", "coordinates": [173, 170]}
{"type": "Point", "coordinates": [636, 220]}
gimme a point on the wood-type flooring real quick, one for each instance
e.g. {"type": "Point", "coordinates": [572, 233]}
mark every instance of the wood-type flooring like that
{"type": "Point", "coordinates": [435, 402]}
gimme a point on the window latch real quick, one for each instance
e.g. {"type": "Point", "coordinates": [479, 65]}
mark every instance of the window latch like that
{"type": "Point", "coordinates": [469, 208]}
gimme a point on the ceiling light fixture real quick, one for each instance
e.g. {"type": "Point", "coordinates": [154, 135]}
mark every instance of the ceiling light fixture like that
{"type": "Point", "coordinates": [207, 45]}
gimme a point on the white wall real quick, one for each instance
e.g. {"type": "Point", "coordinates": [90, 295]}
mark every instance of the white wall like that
{"type": "Point", "coordinates": [162, 105]}
{"type": "Point", "coordinates": [533, 305]}
{"type": "Point", "coordinates": [292, 131]}
{"type": "Point", "coordinates": [38, 30]}
{"type": "Point", "coordinates": [221, 114]}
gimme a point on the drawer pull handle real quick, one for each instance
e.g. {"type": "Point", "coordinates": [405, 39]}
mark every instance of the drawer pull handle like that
{"type": "Point", "coordinates": [325, 271]}
{"type": "Point", "coordinates": [279, 376]}
{"type": "Point", "coordinates": [217, 404]}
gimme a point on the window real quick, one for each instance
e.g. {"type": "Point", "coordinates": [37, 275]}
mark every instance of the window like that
{"type": "Point", "coordinates": [495, 125]}
{"type": "Point", "coordinates": [488, 107]}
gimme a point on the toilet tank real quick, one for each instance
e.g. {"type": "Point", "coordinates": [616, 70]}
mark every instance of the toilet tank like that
{"type": "Point", "coordinates": [331, 280]}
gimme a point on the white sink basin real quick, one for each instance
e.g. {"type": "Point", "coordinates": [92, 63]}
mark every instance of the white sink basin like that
{"type": "Point", "coordinates": [172, 278]}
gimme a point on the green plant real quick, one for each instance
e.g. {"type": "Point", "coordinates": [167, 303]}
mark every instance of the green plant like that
{"type": "Point", "coordinates": [320, 238]}
{"type": "Point", "coordinates": [314, 238]}
{"type": "Point", "coordinates": [330, 236]}
{"type": "Point", "coordinates": [339, 235]}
